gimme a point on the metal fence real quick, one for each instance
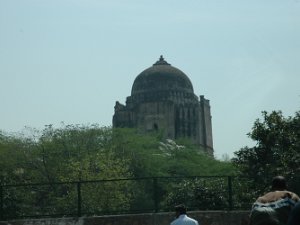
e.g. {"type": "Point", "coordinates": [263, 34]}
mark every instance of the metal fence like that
{"type": "Point", "coordinates": [119, 196]}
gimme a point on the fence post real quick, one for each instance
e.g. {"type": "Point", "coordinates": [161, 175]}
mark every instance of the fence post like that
{"type": "Point", "coordinates": [79, 199]}
{"type": "Point", "coordinates": [155, 196]}
{"type": "Point", "coordinates": [230, 193]}
{"type": "Point", "coordinates": [1, 203]}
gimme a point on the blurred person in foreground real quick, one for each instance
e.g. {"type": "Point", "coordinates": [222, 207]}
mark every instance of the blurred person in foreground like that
{"type": "Point", "coordinates": [182, 218]}
{"type": "Point", "coordinates": [294, 218]}
{"type": "Point", "coordinates": [274, 207]}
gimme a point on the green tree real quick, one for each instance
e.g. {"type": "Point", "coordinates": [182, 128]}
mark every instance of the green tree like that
{"type": "Point", "coordinates": [85, 153]}
{"type": "Point", "coordinates": [152, 156]}
{"type": "Point", "coordinates": [198, 193]}
{"type": "Point", "coordinates": [76, 152]}
{"type": "Point", "coordinates": [276, 151]}
{"type": "Point", "coordinates": [66, 154]}
{"type": "Point", "coordinates": [13, 160]}
{"type": "Point", "coordinates": [188, 160]}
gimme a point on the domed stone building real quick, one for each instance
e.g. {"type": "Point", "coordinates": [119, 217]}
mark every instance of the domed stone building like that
{"type": "Point", "coordinates": [162, 98]}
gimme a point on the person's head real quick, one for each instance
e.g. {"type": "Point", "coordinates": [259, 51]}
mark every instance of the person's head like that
{"type": "Point", "coordinates": [180, 210]}
{"type": "Point", "coordinates": [279, 183]}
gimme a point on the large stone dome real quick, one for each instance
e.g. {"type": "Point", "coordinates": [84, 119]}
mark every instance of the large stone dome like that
{"type": "Point", "coordinates": [162, 99]}
{"type": "Point", "coordinates": [161, 77]}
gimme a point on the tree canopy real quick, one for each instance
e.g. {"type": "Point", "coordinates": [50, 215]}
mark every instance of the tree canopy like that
{"type": "Point", "coordinates": [90, 152]}
{"type": "Point", "coordinates": [58, 156]}
{"type": "Point", "coordinates": [79, 152]}
{"type": "Point", "coordinates": [277, 149]}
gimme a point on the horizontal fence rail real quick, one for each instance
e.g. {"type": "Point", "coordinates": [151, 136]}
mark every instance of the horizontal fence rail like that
{"type": "Point", "coordinates": [119, 196]}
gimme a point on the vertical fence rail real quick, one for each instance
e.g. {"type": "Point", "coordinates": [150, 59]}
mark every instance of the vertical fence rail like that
{"type": "Point", "coordinates": [79, 199]}
{"type": "Point", "coordinates": [155, 194]}
{"type": "Point", "coordinates": [1, 203]}
{"type": "Point", "coordinates": [230, 193]}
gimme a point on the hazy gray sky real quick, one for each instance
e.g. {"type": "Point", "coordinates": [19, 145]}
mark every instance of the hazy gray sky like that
{"type": "Point", "coordinates": [70, 60]}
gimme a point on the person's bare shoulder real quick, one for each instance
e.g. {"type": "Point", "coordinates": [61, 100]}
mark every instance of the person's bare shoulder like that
{"type": "Point", "coordinates": [294, 197]}
{"type": "Point", "coordinates": [273, 196]}
{"type": "Point", "coordinates": [261, 199]}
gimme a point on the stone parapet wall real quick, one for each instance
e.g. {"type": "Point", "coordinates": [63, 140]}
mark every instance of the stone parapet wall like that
{"type": "Point", "coordinates": [205, 218]}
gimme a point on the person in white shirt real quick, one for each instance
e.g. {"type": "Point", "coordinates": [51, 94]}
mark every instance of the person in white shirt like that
{"type": "Point", "coordinates": [182, 218]}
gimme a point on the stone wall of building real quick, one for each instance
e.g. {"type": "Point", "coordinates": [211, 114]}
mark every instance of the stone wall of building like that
{"type": "Point", "coordinates": [206, 124]}
{"type": "Point", "coordinates": [205, 218]}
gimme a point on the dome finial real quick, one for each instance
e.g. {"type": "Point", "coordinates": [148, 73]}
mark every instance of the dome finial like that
{"type": "Point", "coordinates": [161, 61]}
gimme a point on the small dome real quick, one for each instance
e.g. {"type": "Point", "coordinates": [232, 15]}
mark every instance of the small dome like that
{"type": "Point", "coordinates": [161, 77]}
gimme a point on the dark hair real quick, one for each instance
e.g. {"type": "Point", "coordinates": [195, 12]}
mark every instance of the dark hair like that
{"type": "Point", "coordinates": [279, 183]}
{"type": "Point", "coordinates": [181, 209]}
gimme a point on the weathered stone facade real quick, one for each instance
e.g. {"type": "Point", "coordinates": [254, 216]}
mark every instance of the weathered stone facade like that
{"type": "Point", "coordinates": [162, 98]}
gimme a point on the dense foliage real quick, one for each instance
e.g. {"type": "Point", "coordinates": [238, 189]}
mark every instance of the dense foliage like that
{"type": "Point", "coordinates": [277, 149]}
{"type": "Point", "coordinates": [88, 153]}
{"type": "Point", "coordinates": [121, 170]}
